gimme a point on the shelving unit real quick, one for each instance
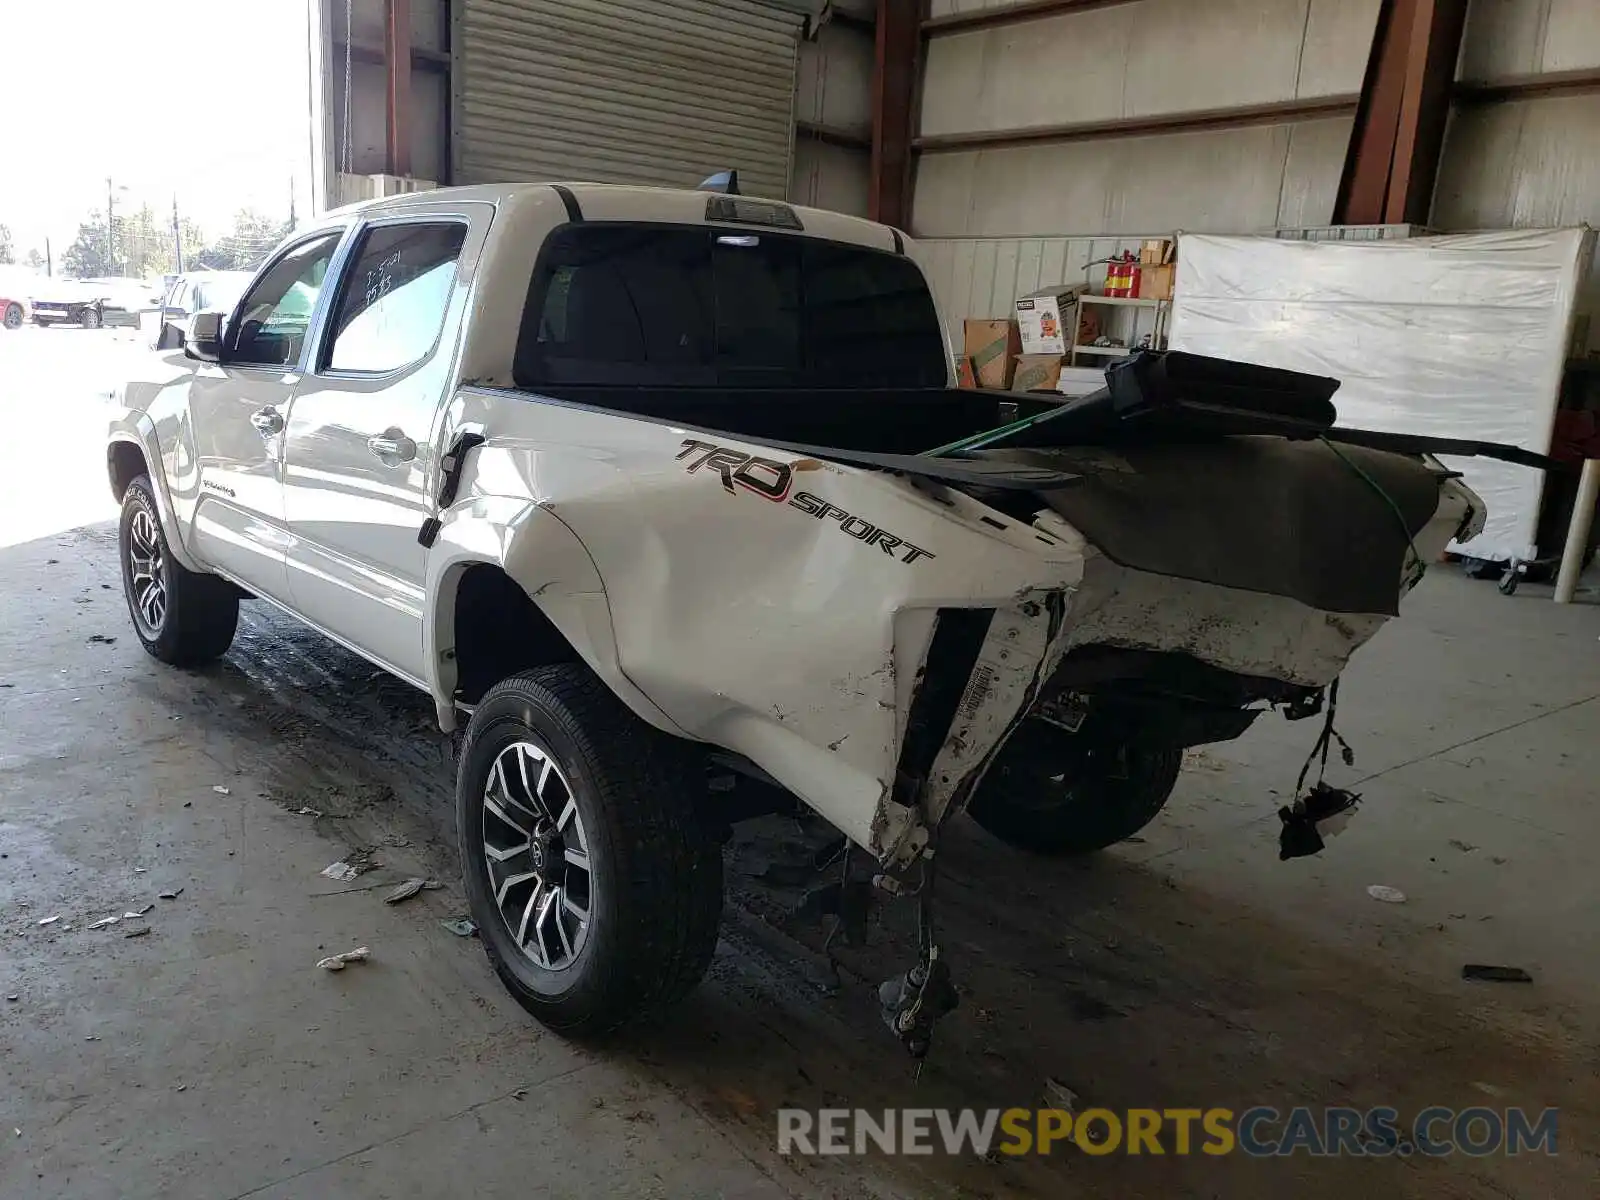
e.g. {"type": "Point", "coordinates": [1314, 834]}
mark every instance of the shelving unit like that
{"type": "Point", "coordinates": [1161, 309]}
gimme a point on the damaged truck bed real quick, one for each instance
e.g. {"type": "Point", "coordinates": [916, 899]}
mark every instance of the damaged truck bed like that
{"type": "Point", "coordinates": [681, 506]}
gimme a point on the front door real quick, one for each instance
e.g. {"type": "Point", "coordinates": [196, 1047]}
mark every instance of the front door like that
{"type": "Point", "coordinates": [360, 453]}
{"type": "Point", "coordinates": [240, 407]}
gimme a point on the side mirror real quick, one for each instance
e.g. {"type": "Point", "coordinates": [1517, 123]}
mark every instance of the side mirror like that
{"type": "Point", "coordinates": [205, 337]}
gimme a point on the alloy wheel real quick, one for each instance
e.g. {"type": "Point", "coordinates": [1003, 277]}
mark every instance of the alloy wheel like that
{"type": "Point", "coordinates": [537, 853]}
{"type": "Point", "coordinates": [147, 575]}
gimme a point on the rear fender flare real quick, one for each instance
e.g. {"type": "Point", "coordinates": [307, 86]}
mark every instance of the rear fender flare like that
{"type": "Point", "coordinates": [547, 560]}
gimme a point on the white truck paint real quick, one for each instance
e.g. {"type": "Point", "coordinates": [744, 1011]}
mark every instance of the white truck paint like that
{"type": "Point", "coordinates": [779, 603]}
{"type": "Point", "coordinates": [799, 649]}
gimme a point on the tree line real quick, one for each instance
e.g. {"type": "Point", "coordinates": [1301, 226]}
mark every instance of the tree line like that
{"type": "Point", "coordinates": [142, 245]}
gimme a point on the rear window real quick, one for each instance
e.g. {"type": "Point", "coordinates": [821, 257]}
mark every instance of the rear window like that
{"type": "Point", "coordinates": [634, 305]}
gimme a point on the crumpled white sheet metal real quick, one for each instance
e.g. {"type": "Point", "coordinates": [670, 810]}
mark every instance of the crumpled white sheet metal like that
{"type": "Point", "coordinates": [1464, 336]}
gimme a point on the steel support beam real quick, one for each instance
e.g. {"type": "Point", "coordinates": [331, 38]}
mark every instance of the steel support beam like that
{"type": "Point", "coordinates": [1392, 160]}
{"type": "Point", "coordinates": [1029, 10]}
{"type": "Point", "coordinates": [1194, 121]}
{"type": "Point", "coordinates": [397, 66]}
{"type": "Point", "coordinates": [895, 69]}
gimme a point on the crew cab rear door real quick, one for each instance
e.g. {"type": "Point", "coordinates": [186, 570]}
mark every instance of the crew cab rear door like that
{"type": "Point", "coordinates": [239, 409]}
{"type": "Point", "coordinates": [361, 458]}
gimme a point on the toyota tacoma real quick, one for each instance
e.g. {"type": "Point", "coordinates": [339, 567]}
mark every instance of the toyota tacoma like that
{"type": "Point", "coordinates": [668, 496]}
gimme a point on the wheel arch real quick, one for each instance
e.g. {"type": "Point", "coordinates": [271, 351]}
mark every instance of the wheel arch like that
{"type": "Point", "coordinates": [513, 593]}
{"type": "Point", "coordinates": [131, 452]}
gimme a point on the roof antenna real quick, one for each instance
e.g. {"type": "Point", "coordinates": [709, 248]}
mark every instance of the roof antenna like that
{"type": "Point", "coordinates": [726, 182]}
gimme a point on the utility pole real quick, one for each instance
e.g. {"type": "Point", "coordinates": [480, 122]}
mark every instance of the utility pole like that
{"type": "Point", "coordinates": [177, 234]}
{"type": "Point", "coordinates": [49, 263]}
{"type": "Point", "coordinates": [111, 258]}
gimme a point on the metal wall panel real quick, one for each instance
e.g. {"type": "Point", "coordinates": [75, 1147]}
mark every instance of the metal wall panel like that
{"type": "Point", "coordinates": [1530, 164]}
{"type": "Point", "coordinates": [835, 85]}
{"type": "Point", "coordinates": [1526, 37]}
{"type": "Point", "coordinates": [1234, 180]}
{"type": "Point", "coordinates": [626, 91]}
{"type": "Point", "coordinates": [828, 176]}
{"type": "Point", "coordinates": [1144, 59]}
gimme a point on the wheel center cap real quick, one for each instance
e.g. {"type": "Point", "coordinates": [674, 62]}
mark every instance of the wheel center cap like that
{"type": "Point", "coordinates": [537, 853]}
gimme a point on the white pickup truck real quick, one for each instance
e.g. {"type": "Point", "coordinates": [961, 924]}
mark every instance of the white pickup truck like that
{"type": "Point", "coordinates": [642, 486]}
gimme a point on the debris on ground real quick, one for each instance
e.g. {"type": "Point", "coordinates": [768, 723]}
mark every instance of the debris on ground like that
{"type": "Point", "coordinates": [137, 912]}
{"type": "Point", "coordinates": [102, 922]}
{"type": "Point", "coordinates": [302, 811]}
{"type": "Point", "coordinates": [409, 889]}
{"type": "Point", "coordinates": [100, 639]}
{"type": "Point", "coordinates": [50, 920]}
{"type": "Point", "coordinates": [141, 931]}
{"type": "Point", "coordinates": [1059, 1096]}
{"type": "Point", "coordinates": [519, 1093]}
{"type": "Point", "coordinates": [351, 866]}
{"type": "Point", "coordinates": [1492, 974]}
{"type": "Point", "coordinates": [14, 997]}
{"type": "Point", "coordinates": [1464, 847]}
{"type": "Point", "coordinates": [462, 927]}
{"type": "Point", "coordinates": [169, 894]}
{"type": "Point", "coordinates": [337, 962]}
{"type": "Point", "coordinates": [1387, 894]}
{"type": "Point", "coordinates": [220, 790]}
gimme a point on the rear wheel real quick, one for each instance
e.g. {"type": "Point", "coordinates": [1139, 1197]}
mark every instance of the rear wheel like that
{"type": "Point", "coordinates": [13, 316]}
{"type": "Point", "coordinates": [1054, 793]}
{"type": "Point", "coordinates": [595, 883]}
{"type": "Point", "coordinates": [183, 618]}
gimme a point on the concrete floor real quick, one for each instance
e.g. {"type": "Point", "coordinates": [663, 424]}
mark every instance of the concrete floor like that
{"type": "Point", "coordinates": [212, 1059]}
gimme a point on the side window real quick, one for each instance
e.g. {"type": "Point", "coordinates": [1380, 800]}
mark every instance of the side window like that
{"type": "Point", "coordinates": [395, 295]}
{"type": "Point", "coordinates": [199, 299]}
{"type": "Point", "coordinates": [277, 309]}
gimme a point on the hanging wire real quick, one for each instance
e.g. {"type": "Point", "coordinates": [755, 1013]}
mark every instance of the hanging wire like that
{"type": "Point", "coordinates": [345, 150]}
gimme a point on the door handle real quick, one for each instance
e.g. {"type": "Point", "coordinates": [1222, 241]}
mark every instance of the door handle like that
{"type": "Point", "coordinates": [268, 421]}
{"type": "Point", "coordinates": [392, 444]}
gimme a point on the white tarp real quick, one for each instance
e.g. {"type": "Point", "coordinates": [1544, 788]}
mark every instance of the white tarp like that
{"type": "Point", "coordinates": [1459, 336]}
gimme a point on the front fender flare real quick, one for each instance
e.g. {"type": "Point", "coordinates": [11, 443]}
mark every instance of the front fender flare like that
{"type": "Point", "coordinates": [540, 552]}
{"type": "Point", "coordinates": [138, 430]}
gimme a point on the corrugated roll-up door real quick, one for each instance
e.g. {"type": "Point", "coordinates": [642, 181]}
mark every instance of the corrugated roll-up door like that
{"type": "Point", "coordinates": [626, 91]}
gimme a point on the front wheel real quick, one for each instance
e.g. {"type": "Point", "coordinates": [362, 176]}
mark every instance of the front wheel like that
{"type": "Point", "coordinates": [91, 318]}
{"type": "Point", "coordinates": [595, 883]}
{"type": "Point", "coordinates": [13, 316]}
{"type": "Point", "coordinates": [183, 618]}
{"type": "Point", "coordinates": [1055, 793]}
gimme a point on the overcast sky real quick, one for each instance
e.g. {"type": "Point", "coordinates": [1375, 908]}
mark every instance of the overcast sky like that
{"type": "Point", "coordinates": [203, 99]}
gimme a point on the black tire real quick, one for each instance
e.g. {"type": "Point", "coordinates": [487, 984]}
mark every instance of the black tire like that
{"type": "Point", "coordinates": [199, 613]}
{"type": "Point", "coordinates": [1047, 795]}
{"type": "Point", "coordinates": [13, 316]}
{"type": "Point", "coordinates": [654, 872]}
{"type": "Point", "coordinates": [91, 318]}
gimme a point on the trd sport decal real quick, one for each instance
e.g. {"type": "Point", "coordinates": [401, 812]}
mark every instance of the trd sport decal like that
{"type": "Point", "coordinates": [771, 481]}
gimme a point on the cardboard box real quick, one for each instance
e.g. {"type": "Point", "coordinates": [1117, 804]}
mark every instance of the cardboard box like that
{"type": "Point", "coordinates": [1155, 251]}
{"type": "Point", "coordinates": [966, 373]}
{"type": "Point", "coordinates": [992, 345]}
{"type": "Point", "coordinates": [1155, 283]}
{"type": "Point", "coordinates": [1046, 318]}
{"type": "Point", "coordinates": [1037, 372]}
